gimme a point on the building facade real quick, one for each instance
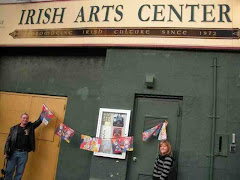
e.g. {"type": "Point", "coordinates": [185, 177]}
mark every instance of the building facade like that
{"type": "Point", "coordinates": [173, 73]}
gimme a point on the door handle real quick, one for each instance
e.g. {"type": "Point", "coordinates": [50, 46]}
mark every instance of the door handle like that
{"type": "Point", "coordinates": [134, 159]}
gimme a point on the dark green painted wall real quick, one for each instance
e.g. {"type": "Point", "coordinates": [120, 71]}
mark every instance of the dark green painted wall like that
{"type": "Point", "coordinates": [71, 72]}
{"type": "Point", "coordinates": [89, 81]}
{"type": "Point", "coordinates": [178, 73]}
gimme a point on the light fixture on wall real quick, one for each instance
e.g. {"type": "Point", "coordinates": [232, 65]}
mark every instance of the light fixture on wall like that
{"type": "Point", "coordinates": [149, 82]}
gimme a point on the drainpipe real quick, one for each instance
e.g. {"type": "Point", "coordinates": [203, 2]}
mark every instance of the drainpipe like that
{"type": "Point", "coordinates": [213, 117]}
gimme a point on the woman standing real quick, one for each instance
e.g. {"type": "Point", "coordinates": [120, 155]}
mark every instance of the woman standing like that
{"type": "Point", "coordinates": [163, 162]}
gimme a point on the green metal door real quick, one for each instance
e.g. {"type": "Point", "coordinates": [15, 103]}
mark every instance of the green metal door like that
{"type": "Point", "coordinates": [149, 112]}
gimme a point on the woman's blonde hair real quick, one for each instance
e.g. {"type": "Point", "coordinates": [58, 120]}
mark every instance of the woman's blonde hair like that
{"type": "Point", "coordinates": [169, 152]}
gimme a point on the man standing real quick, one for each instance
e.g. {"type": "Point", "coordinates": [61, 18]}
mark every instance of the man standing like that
{"type": "Point", "coordinates": [20, 141]}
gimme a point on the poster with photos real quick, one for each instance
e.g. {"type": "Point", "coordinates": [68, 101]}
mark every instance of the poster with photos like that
{"type": "Point", "coordinates": [112, 123]}
{"type": "Point", "coordinates": [117, 132]}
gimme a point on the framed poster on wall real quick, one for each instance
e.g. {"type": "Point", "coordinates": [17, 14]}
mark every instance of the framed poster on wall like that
{"type": "Point", "coordinates": [112, 124]}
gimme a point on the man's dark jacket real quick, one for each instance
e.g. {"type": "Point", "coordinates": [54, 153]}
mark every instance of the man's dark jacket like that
{"type": "Point", "coordinates": [12, 137]}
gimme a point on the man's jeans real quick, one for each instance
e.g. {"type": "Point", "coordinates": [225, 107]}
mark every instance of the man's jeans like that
{"type": "Point", "coordinates": [18, 160]}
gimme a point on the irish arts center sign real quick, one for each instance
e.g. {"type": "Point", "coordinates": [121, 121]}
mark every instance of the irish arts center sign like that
{"type": "Point", "coordinates": [143, 23]}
